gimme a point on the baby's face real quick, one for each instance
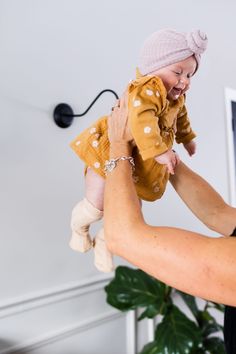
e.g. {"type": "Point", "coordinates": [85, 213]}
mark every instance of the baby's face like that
{"type": "Point", "coordinates": [176, 77]}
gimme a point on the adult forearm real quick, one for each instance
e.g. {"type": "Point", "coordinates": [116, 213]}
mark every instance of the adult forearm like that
{"type": "Point", "coordinates": [199, 265]}
{"type": "Point", "coordinates": [203, 200]}
{"type": "Point", "coordinates": [185, 260]}
{"type": "Point", "coordinates": [122, 207]}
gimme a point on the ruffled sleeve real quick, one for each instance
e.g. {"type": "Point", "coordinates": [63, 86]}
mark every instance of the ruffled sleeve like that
{"type": "Point", "coordinates": [184, 133]}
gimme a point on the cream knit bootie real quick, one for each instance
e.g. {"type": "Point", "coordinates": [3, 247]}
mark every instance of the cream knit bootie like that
{"type": "Point", "coordinates": [83, 214]}
{"type": "Point", "coordinates": [102, 256]}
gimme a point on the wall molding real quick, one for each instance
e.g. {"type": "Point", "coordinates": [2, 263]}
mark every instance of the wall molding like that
{"type": "Point", "coordinates": [46, 297]}
{"type": "Point", "coordinates": [43, 298]}
{"type": "Point", "coordinates": [62, 333]}
{"type": "Point", "coordinates": [131, 332]}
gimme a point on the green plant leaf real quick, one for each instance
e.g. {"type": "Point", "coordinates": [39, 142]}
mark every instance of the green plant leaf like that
{"type": "Point", "coordinates": [132, 288]}
{"type": "Point", "coordinates": [210, 328]}
{"type": "Point", "coordinates": [214, 345]}
{"type": "Point", "coordinates": [218, 307]}
{"type": "Point", "coordinates": [151, 348]}
{"type": "Point", "coordinates": [177, 334]}
{"type": "Point", "coordinates": [190, 301]}
{"type": "Point", "coordinates": [153, 310]}
{"type": "Point", "coordinates": [207, 323]}
{"type": "Point", "coordinates": [154, 348]}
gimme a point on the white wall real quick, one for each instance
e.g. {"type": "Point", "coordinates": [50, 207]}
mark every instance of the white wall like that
{"type": "Point", "coordinates": [55, 51]}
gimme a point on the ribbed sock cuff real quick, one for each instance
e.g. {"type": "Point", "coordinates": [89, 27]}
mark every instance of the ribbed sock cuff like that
{"type": "Point", "coordinates": [92, 210]}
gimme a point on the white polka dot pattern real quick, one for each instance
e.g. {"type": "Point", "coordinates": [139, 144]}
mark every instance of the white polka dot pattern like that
{"type": "Point", "coordinates": [147, 130]}
{"type": "Point", "coordinates": [95, 143]}
{"type": "Point", "coordinates": [149, 92]}
{"type": "Point", "coordinates": [157, 93]}
{"type": "Point", "coordinates": [156, 189]}
{"type": "Point", "coordinates": [92, 130]}
{"type": "Point", "coordinates": [78, 143]}
{"type": "Point", "coordinates": [136, 103]}
{"type": "Point", "coordinates": [96, 164]}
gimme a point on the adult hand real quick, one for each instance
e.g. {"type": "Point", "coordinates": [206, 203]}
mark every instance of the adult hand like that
{"type": "Point", "coordinates": [118, 130]}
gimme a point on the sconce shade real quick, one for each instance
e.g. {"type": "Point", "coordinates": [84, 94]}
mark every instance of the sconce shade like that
{"type": "Point", "coordinates": [63, 115]}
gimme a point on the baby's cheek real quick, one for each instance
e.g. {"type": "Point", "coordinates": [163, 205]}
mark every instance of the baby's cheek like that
{"type": "Point", "coordinates": [186, 88]}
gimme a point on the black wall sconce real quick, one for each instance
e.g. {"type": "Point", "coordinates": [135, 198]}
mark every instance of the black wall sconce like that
{"type": "Point", "coordinates": [63, 114]}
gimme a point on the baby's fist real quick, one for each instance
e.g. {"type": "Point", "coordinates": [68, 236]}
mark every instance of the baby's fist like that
{"type": "Point", "coordinates": [191, 147]}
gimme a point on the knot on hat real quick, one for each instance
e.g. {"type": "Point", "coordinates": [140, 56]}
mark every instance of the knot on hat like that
{"type": "Point", "coordinates": [197, 41]}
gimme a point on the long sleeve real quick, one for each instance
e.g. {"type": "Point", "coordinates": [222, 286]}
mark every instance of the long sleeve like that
{"type": "Point", "coordinates": [184, 132]}
{"type": "Point", "coordinates": [147, 99]}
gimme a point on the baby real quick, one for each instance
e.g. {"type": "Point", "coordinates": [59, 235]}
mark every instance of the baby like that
{"type": "Point", "coordinates": [157, 117]}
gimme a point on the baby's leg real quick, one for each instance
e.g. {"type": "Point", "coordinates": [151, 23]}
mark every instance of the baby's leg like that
{"type": "Point", "coordinates": [94, 188]}
{"type": "Point", "coordinates": [87, 211]}
{"type": "Point", "coordinates": [103, 259]}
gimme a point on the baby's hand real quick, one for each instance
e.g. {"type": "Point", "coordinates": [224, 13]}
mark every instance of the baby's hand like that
{"type": "Point", "coordinates": [190, 147]}
{"type": "Point", "coordinates": [170, 159]}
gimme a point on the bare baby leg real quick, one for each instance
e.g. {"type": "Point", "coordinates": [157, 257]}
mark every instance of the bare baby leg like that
{"type": "Point", "coordinates": [95, 194]}
{"type": "Point", "coordinates": [103, 259]}
{"type": "Point", "coordinates": [87, 211]}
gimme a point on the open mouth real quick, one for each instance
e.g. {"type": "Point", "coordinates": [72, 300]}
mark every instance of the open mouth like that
{"type": "Point", "coordinates": [176, 91]}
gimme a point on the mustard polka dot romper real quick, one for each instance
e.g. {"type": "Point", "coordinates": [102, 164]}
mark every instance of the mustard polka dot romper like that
{"type": "Point", "coordinates": [155, 123]}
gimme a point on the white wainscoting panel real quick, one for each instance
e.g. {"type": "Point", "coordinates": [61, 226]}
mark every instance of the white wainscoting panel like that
{"type": "Point", "coordinates": [73, 318]}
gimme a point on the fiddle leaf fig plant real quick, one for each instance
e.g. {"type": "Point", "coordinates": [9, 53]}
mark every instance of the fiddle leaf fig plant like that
{"type": "Point", "coordinates": [176, 333]}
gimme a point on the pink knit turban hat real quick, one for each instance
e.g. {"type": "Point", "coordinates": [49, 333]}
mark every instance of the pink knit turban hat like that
{"type": "Point", "coordinates": [168, 46]}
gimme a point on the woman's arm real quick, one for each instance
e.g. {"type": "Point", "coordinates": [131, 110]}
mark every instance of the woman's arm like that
{"type": "Point", "coordinates": [203, 200]}
{"type": "Point", "coordinates": [196, 264]}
